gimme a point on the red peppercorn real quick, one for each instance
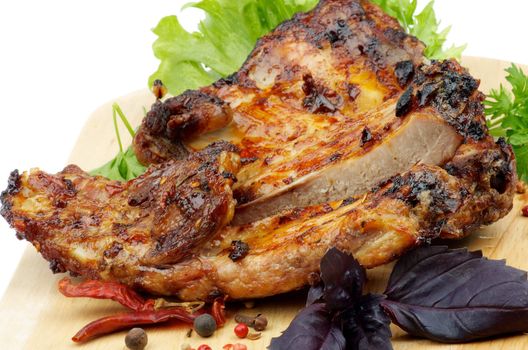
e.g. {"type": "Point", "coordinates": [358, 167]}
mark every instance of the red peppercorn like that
{"type": "Point", "coordinates": [525, 211]}
{"type": "Point", "coordinates": [241, 330]}
{"type": "Point", "coordinates": [235, 347]}
{"type": "Point", "coordinates": [204, 347]}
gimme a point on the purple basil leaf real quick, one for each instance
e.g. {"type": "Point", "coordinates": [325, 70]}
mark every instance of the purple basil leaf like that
{"type": "Point", "coordinates": [343, 278]}
{"type": "Point", "coordinates": [456, 325]}
{"type": "Point", "coordinates": [456, 296]}
{"type": "Point", "coordinates": [315, 294]}
{"type": "Point", "coordinates": [312, 329]}
{"type": "Point", "coordinates": [366, 326]}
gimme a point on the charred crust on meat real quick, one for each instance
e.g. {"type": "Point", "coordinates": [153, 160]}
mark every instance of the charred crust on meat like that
{"type": "Point", "coordinates": [139, 196]}
{"type": "Point", "coordinates": [338, 32]}
{"type": "Point", "coordinates": [353, 91]}
{"type": "Point", "coordinates": [231, 79]}
{"type": "Point", "coordinates": [214, 294]}
{"type": "Point", "coordinates": [56, 266]}
{"type": "Point", "coordinates": [404, 72]}
{"type": "Point", "coordinates": [13, 184]}
{"type": "Point", "coordinates": [239, 250]}
{"type": "Point", "coordinates": [366, 136]}
{"type": "Point", "coordinates": [217, 147]}
{"type": "Point", "coordinates": [319, 99]}
{"type": "Point", "coordinates": [448, 88]}
{"type": "Point", "coordinates": [178, 118]}
{"type": "Point", "coordinates": [114, 249]}
{"type": "Point", "coordinates": [372, 50]}
{"type": "Point", "coordinates": [423, 186]}
{"type": "Point", "coordinates": [229, 175]}
{"type": "Point", "coordinates": [405, 103]}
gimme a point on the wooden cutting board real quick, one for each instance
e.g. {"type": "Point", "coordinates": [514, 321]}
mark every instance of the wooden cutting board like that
{"type": "Point", "coordinates": [35, 316]}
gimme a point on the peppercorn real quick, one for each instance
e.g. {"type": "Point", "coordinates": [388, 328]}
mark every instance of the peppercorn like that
{"type": "Point", "coordinates": [205, 325]}
{"type": "Point", "coordinates": [136, 339]}
{"type": "Point", "coordinates": [234, 347]}
{"type": "Point", "coordinates": [261, 322]}
{"type": "Point", "coordinates": [525, 211]}
{"type": "Point", "coordinates": [204, 347]}
{"type": "Point", "coordinates": [241, 330]}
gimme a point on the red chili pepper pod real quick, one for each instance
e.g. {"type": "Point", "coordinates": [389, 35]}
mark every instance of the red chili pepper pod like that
{"type": "Point", "coordinates": [118, 292]}
{"type": "Point", "coordinates": [114, 323]}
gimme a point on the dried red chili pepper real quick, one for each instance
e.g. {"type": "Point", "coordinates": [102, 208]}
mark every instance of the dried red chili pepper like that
{"type": "Point", "coordinates": [114, 323]}
{"type": "Point", "coordinates": [218, 312]}
{"type": "Point", "coordinates": [118, 292]}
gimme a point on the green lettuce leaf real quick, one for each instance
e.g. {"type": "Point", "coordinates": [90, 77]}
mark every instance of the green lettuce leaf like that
{"type": "Point", "coordinates": [224, 39]}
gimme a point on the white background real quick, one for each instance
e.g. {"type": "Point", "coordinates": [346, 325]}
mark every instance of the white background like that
{"type": "Point", "coordinates": [61, 59]}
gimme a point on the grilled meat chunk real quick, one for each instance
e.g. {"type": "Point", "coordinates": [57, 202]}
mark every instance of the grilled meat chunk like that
{"type": "Point", "coordinates": [93, 226]}
{"type": "Point", "coordinates": [335, 108]}
{"type": "Point", "coordinates": [298, 107]}
{"type": "Point", "coordinates": [268, 257]}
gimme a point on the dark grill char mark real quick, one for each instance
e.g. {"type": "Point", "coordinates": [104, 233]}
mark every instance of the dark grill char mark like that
{"type": "Point", "coordinates": [405, 103]}
{"type": "Point", "coordinates": [239, 250]}
{"type": "Point", "coordinates": [319, 99]}
{"type": "Point", "coordinates": [450, 90]}
{"type": "Point", "coordinates": [404, 72]}
{"type": "Point", "coordinates": [366, 137]}
{"type": "Point", "coordinates": [13, 185]}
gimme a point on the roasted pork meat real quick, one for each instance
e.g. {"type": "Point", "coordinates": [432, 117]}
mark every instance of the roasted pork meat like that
{"type": "Point", "coordinates": [312, 110]}
{"type": "Point", "coordinates": [83, 224]}
{"type": "Point", "coordinates": [108, 230]}
{"type": "Point", "coordinates": [346, 137]}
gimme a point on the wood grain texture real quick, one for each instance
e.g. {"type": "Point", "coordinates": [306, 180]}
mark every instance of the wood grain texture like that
{"type": "Point", "coordinates": [35, 316]}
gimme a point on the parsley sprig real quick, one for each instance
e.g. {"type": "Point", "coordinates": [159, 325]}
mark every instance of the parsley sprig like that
{"type": "Point", "coordinates": [507, 114]}
{"type": "Point", "coordinates": [125, 165]}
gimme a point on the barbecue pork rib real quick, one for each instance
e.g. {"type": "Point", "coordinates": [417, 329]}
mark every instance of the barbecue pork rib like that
{"type": "Point", "coordinates": [342, 128]}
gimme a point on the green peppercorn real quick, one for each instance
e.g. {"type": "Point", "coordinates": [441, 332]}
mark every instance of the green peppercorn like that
{"type": "Point", "coordinates": [205, 325]}
{"type": "Point", "coordinates": [136, 339]}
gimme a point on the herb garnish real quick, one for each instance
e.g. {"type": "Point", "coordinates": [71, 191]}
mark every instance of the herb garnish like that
{"type": "Point", "coordinates": [125, 165]}
{"type": "Point", "coordinates": [224, 39]}
{"type": "Point", "coordinates": [424, 26]}
{"type": "Point", "coordinates": [508, 116]}
{"type": "Point", "coordinates": [446, 295]}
